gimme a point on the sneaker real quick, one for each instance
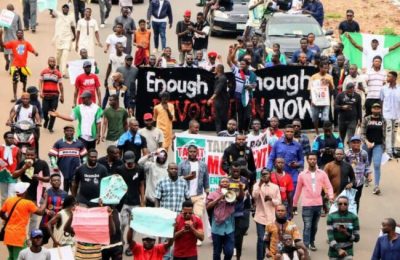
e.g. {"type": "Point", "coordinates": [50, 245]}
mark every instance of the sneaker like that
{"type": "Point", "coordinates": [105, 21]}
{"type": "Point", "coordinates": [128, 252]}
{"type": "Point", "coordinates": [312, 247]}
{"type": "Point", "coordinates": [102, 25]}
{"type": "Point", "coordinates": [366, 183]}
{"type": "Point", "coordinates": [234, 252]}
{"type": "Point", "coordinates": [376, 190]}
{"type": "Point", "coordinates": [295, 212]}
{"type": "Point", "coordinates": [199, 243]}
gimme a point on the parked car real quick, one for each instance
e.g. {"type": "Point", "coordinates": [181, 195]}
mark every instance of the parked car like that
{"type": "Point", "coordinates": [287, 30]}
{"type": "Point", "coordinates": [229, 19]}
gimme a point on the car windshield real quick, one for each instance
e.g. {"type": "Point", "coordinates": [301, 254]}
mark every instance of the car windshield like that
{"type": "Point", "coordinates": [294, 29]}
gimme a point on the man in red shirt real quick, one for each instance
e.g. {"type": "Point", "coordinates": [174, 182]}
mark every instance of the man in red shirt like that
{"type": "Point", "coordinates": [20, 49]}
{"type": "Point", "coordinates": [284, 182]}
{"type": "Point", "coordinates": [188, 229]}
{"type": "Point", "coordinates": [87, 82]}
{"type": "Point", "coordinates": [148, 251]}
{"type": "Point", "coordinates": [50, 88]}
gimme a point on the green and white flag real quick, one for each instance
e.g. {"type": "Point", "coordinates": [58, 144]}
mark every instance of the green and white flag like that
{"type": "Point", "coordinates": [391, 59]}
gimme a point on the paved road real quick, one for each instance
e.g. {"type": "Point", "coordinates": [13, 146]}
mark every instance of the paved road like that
{"type": "Point", "coordinates": [373, 208]}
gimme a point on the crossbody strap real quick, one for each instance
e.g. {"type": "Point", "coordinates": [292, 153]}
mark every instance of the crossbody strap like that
{"type": "Point", "coordinates": [11, 212]}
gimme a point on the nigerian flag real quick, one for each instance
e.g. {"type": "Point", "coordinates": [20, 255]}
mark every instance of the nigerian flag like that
{"type": "Point", "coordinates": [391, 59]}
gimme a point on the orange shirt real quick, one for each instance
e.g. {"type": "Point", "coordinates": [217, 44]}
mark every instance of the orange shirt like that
{"type": "Point", "coordinates": [20, 52]}
{"type": "Point", "coordinates": [143, 38]}
{"type": "Point", "coordinates": [275, 231]}
{"type": "Point", "coordinates": [156, 253]}
{"type": "Point", "coordinates": [16, 228]}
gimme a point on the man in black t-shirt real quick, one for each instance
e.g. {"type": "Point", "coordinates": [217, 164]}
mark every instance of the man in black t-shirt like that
{"type": "Point", "coordinates": [133, 176]}
{"type": "Point", "coordinates": [33, 171]}
{"type": "Point", "coordinates": [185, 32]}
{"type": "Point", "coordinates": [112, 160]}
{"type": "Point", "coordinates": [87, 178]}
{"type": "Point", "coordinates": [349, 25]}
{"type": "Point", "coordinates": [201, 31]}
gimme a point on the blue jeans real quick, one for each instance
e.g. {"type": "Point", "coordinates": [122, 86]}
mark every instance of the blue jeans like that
{"type": "Point", "coordinates": [375, 156]}
{"type": "Point", "coordinates": [310, 216]}
{"type": "Point", "coordinates": [159, 29]}
{"type": "Point", "coordinates": [260, 241]}
{"type": "Point", "coordinates": [225, 243]}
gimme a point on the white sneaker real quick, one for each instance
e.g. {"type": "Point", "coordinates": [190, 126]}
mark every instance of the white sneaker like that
{"type": "Point", "coordinates": [102, 25]}
{"type": "Point", "coordinates": [105, 21]}
{"type": "Point", "coordinates": [234, 252]}
{"type": "Point", "coordinates": [199, 243]}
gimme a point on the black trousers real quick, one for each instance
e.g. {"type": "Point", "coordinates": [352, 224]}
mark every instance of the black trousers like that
{"type": "Point", "coordinates": [49, 104]}
{"type": "Point", "coordinates": [88, 144]}
{"type": "Point", "coordinates": [67, 185]}
{"type": "Point", "coordinates": [241, 226]}
{"type": "Point", "coordinates": [113, 253]}
{"type": "Point", "coordinates": [244, 116]}
{"type": "Point", "coordinates": [358, 196]}
{"type": "Point", "coordinates": [221, 117]}
{"type": "Point", "coordinates": [79, 8]}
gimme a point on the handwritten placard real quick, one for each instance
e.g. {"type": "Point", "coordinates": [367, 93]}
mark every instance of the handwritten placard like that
{"type": "Point", "coordinates": [112, 189]}
{"type": "Point", "coordinates": [157, 222]}
{"type": "Point", "coordinates": [6, 18]}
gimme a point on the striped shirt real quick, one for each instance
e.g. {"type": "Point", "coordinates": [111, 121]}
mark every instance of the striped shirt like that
{"type": "Point", "coordinates": [375, 82]}
{"type": "Point", "coordinates": [55, 199]}
{"type": "Point", "coordinates": [67, 156]}
{"type": "Point", "coordinates": [338, 240]}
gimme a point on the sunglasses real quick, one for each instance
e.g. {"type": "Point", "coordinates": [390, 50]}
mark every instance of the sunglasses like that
{"type": "Point", "coordinates": [342, 203]}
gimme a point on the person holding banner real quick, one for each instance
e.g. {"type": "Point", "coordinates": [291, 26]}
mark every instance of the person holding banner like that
{"type": "Point", "coordinates": [148, 250]}
{"type": "Point", "coordinates": [10, 34]}
{"type": "Point", "coordinates": [320, 85]}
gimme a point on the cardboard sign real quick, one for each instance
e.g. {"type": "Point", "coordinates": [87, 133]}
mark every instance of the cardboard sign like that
{"type": "Point", "coordinates": [157, 222]}
{"type": "Point", "coordinates": [6, 18]}
{"type": "Point", "coordinates": [112, 189]}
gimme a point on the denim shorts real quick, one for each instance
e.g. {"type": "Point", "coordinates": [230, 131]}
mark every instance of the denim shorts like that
{"type": "Point", "coordinates": [323, 110]}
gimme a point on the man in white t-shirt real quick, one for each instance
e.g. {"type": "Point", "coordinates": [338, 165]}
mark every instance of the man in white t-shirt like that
{"type": "Point", "coordinates": [195, 172]}
{"type": "Point", "coordinates": [114, 38]}
{"type": "Point", "coordinates": [35, 251]}
{"type": "Point", "coordinates": [374, 51]}
{"type": "Point", "coordinates": [153, 135]}
{"type": "Point", "coordinates": [24, 112]}
{"type": "Point", "coordinates": [116, 60]}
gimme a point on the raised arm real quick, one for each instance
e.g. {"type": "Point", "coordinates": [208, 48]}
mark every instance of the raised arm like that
{"type": "Point", "coordinates": [353, 42]}
{"type": "Point", "coordinates": [392, 48]}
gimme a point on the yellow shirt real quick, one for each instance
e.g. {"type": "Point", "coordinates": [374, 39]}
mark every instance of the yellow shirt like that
{"type": "Point", "coordinates": [164, 123]}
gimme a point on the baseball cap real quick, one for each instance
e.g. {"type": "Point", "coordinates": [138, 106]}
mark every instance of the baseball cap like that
{"type": "Point", "coordinates": [87, 64]}
{"type": "Point", "coordinates": [128, 57]}
{"type": "Point", "coordinates": [36, 233]}
{"type": "Point", "coordinates": [69, 126]}
{"type": "Point", "coordinates": [148, 237]}
{"type": "Point", "coordinates": [147, 116]}
{"type": "Point", "coordinates": [355, 138]}
{"type": "Point", "coordinates": [376, 105]}
{"type": "Point", "coordinates": [21, 187]}
{"type": "Point", "coordinates": [65, 6]}
{"type": "Point", "coordinates": [86, 94]}
{"type": "Point", "coordinates": [129, 157]}
{"type": "Point", "coordinates": [187, 13]}
{"type": "Point", "coordinates": [212, 54]}
{"type": "Point", "coordinates": [350, 85]}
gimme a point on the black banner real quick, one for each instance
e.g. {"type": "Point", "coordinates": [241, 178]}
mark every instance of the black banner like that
{"type": "Point", "coordinates": [281, 91]}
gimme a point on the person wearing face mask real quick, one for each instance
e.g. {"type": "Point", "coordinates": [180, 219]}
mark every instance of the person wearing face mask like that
{"type": "Point", "coordinates": [348, 106]}
{"type": "Point", "coordinates": [155, 169]}
{"type": "Point", "coordinates": [266, 197]}
{"type": "Point", "coordinates": [281, 225]}
{"type": "Point", "coordinates": [237, 150]}
{"type": "Point", "coordinates": [340, 173]}
{"type": "Point", "coordinates": [86, 181]}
